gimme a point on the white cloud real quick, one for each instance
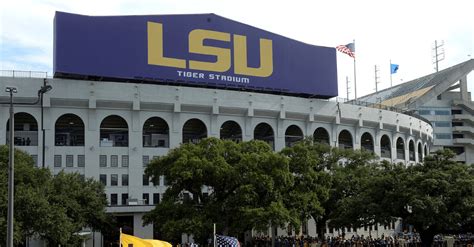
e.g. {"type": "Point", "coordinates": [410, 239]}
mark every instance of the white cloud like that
{"type": "Point", "coordinates": [403, 30]}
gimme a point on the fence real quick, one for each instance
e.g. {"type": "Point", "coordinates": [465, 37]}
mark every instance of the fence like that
{"type": "Point", "coordinates": [23, 74]}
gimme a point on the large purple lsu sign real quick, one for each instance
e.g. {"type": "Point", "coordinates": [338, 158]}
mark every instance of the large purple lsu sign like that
{"type": "Point", "coordinates": [198, 50]}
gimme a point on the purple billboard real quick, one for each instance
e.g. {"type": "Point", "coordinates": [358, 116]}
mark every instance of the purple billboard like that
{"type": "Point", "coordinates": [200, 50]}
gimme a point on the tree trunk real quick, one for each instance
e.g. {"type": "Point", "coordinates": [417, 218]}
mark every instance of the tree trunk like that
{"type": "Point", "coordinates": [321, 228]}
{"type": "Point", "coordinates": [426, 238]}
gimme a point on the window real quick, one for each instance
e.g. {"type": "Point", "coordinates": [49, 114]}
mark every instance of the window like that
{"type": "Point", "coordinates": [113, 160]}
{"type": "Point", "coordinates": [146, 160]}
{"type": "Point", "coordinates": [124, 160]}
{"type": "Point", "coordinates": [124, 198]}
{"type": "Point", "coordinates": [156, 198]}
{"type": "Point", "coordinates": [458, 136]}
{"type": "Point", "coordinates": [165, 182]}
{"type": "Point", "coordinates": [424, 112]}
{"type": "Point", "coordinates": [442, 112]}
{"type": "Point", "coordinates": [443, 136]}
{"type": "Point", "coordinates": [57, 161]}
{"type": "Point", "coordinates": [113, 180]}
{"type": "Point", "coordinates": [103, 160]}
{"type": "Point", "coordinates": [81, 161]}
{"type": "Point", "coordinates": [113, 199]}
{"type": "Point", "coordinates": [124, 179]}
{"type": "Point", "coordinates": [69, 160]}
{"type": "Point", "coordinates": [441, 124]}
{"type": "Point", "coordinates": [455, 111]}
{"type": "Point", "coordinates": [186, 197]}
{"type": "Point", "coordinates": [103, 179]}
{"type": "Point", "coordinates": [454, 124]}
{"type": "Point", "coordinates": [146, 180]}
{"type": "Point", "coordinates": [146, 198]}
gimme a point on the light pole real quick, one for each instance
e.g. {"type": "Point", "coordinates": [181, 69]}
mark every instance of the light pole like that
{"type": "Point", "coordinates": [11, 161]}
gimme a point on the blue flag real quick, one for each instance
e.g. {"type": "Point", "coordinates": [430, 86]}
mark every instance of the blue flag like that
{"type": "Point", "coordinates": [393, 68]}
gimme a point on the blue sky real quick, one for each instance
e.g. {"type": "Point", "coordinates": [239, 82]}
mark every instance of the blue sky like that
{"type": "Point", "coordinates": [402, 31]}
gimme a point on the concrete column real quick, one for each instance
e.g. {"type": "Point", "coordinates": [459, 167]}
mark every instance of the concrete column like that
{"type": "Point", "coordinates": [463, 86]}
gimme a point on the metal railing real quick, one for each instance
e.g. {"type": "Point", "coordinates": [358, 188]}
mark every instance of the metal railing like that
{"type": "Point", "coordinates": [23, 74]}
{"type": "Point", "coordinates": [383, 107]}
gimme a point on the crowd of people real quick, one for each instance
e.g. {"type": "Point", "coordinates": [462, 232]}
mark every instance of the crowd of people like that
{"type": "Point", "coordinates": [412, 240]}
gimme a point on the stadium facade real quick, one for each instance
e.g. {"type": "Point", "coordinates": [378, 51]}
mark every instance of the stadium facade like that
{"type": "Point", "coordinates": [443, 99]}
{"type": "Point", "coordinates": [113, 108]}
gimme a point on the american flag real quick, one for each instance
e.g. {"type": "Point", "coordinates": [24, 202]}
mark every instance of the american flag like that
{"type": "Point", "coordinates": [348, 49]}
{"type": "Point", "coordinates": [226, 241]}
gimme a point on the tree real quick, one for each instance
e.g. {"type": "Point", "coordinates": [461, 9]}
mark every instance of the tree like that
{"type": "Point", "coordinates": [238, 186]}
{"type": "Point", "coordinates": [350, 171]}
{"type": "Point", "coordinates": [311, 185]}
{"type": "Point", "coordinates": [435, 197]}
{"type": "Point", "coordinates": [53, 208]}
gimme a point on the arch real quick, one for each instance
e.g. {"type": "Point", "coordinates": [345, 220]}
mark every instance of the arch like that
{"type": "Point", "coordinates": [155, 133]}
{"type": "Point", "coordinates": [400, 148]}
{"type": "Point", "coordinates": [194, 130]}
{"type": "Point", "coordinates": [420, 152]}
{"type": "Point", "coordinates": [231, 130]}
{"type": "Point", "coordinates": [411, 150]}
{"type": "Point", "coordinates": [385, 147]}
{"type": "Point", "coordinates": [345, 140]}
{"type": "Point", "coordinates": [321, 135]}
{"type": "Point", "coordinates": [293, 134]}
{"type": "Point", "coordinates": [367, 142]}
{"type": "Point", "coordinates": [113, 132]}
{"type": "Point", "coordinates": [69, 130]}
{"type": "Point", "coordinates": [426, 150]}
{"type": "Point", "coordinates": [26, 130]}
{"type": "Point", "coordinates": [264, 132]}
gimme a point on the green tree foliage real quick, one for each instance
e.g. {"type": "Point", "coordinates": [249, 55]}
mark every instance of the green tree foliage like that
{"type": "Point", "coordinates": [435, 197]}
{"type": "Point", "coordinates": [51, 207]}
{"type": "Point", "coordinates": [244, 182]}
{"type": "Point", "coordinates": [350, 173]}
{"type": "Point", "coordinates": [308, 165]}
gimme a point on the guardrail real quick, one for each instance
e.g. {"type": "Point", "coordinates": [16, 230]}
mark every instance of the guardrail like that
{"type": "Point", "coordinates": [23, 74]}
{"type": "Point", "coordinates": [383, 107]}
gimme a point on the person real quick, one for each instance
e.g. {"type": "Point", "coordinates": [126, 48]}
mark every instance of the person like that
{"type": "Point", "coordinates": [28, 141]}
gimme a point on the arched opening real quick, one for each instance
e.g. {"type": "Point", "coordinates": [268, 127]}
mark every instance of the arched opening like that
{"type": "Point", "coordinates": [155, 133]}
{"type": "Point", "coordinates": [367, 142]}
{"type": "Point", "coordinates": [114, 132]}
{"type": "Point", "coordinates": [426, 150]}
{"type": "Point", "coordinates": [264, 132]}
{"type": "Point", "coordinates": [400, 149]}
{"type": "Point", "coordinates": [69, 131]}
{"type": "Point", "coordinates": [420, 152]}
{"type": "Point", "coordinates": [385, 147]}
{"type": "Point", "coordinates": [194, 130]}
{"type": "Point", "coordinates": [321, 135]}
{"type": "Point", "coordinates": [411, 150]}
{"type": "Point", "coordinates": [26, 130]}
{"type": "Point", "coordinates": [293, 135]}
{"type": "Point", "coordinates": [345, 140]}
{"type": "Point", "coordinates": [230, 130]}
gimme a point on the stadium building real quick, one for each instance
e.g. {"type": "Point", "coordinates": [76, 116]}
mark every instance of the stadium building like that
{"type": "Point", "coordinates": [444, 100]}
{"type": "Point", "coordinates": [126, 89]}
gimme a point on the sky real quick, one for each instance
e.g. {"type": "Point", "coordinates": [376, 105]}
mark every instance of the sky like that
{"type": "Point", "coordinates": [402, 31]}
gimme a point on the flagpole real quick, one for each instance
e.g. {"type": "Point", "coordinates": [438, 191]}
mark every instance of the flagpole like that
{"type": "Point", "coordinates": [120, 238]}
{"type": "Point", "coordinates": [390, 72]}
{"type": "Point", "coordinates": [355, 80]}
{"type": "Point", "coordinates": [214, 236]}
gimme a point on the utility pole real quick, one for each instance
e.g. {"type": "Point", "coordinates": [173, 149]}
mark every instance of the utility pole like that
{"type": "Point", "coordinates": [438, 54]}
{"type": "Point", "coordinates": [376, 78]}
{"type": "Point", "coordinates": [347, 87]}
